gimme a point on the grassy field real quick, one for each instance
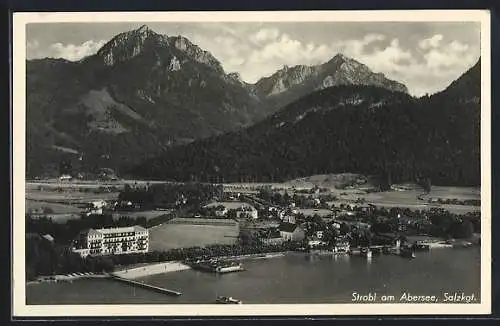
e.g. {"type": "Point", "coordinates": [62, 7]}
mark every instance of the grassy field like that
{"type": "Point", "coordinates": [68, 196]}
{"type": "Point", "coordinates": [56, 208]}
{"type": "Point", "coordinates": [61, 204]}
{"type": "Point", "coordinates": [326, 181]}
{"type": "Point", "coordinates": [147, 214]}
{"type": "Point", "coordinates": [177, 235]}
{"type": "Point", "coordinates": [410, 198]}
{"type": "Point", "coordinates": [54, 183]}
{"type": "Point", "coordinates": [461, 193]}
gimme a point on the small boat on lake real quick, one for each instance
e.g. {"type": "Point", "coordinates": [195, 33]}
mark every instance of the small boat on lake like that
{"type": "Point", "coordinates": [227, 300]}
{"type": "Point", "coordinates": [218, 266]}
{"type": "Point", "coordinates": [366, 252]}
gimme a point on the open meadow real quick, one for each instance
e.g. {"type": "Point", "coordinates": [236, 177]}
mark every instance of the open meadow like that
{"type": "Point", "coordinates": [68, 197]}
{"type": "Point", "coordinates": [150, 214]}
{"type": "Point", "coordinates": [409, 199]}
{"type": "Point", "coordinates": [184, 233]}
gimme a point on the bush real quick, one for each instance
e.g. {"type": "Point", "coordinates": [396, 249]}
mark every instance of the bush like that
{"type": "Point", "coordinates": [47, 210]}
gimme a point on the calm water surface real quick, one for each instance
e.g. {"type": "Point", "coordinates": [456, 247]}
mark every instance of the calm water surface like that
{"type": "Point", "coordinates": [294, 278]}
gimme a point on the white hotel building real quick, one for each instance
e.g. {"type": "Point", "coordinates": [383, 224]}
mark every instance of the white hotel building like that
{"type": "Point", "coordinates": [112, 241]}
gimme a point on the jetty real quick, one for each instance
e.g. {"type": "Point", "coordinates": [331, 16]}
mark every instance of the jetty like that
{"type": "Point", "coordinates": [146, 286]}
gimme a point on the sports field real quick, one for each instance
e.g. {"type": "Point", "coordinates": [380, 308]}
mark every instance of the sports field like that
{"type": "Point", "coordinates": [185, 233]}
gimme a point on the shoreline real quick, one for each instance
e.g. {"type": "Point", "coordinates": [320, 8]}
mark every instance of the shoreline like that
{"type": "Point", "coordinates": [151, 269]}
{"type": "Point", "coordinates": [138, 272]}
{"type": "Point", "coordinates": [146, 270]}
{"type": "Point", "coordinates": [255, 256]}
{"type": "Point", "coordinates": [65, 278]}
{"type": "Point", "coordinates": [177, 266]}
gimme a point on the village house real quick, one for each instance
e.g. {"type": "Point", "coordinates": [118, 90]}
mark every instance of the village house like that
{"type": "Point", "coordinates": [49, 238]}
{"type": "Point", "coordinates": [94, 211]}
{"type": "Point", "coordinates": [360, 206]}
{"type": "Point", "coordinates": [182, 200]}
{"type": "Point", "coordinates": [99, 204]}
{"type": "Point", "coordinates": [335, 225]}
{"type": "Point", "coordinates": [291, 232]}
{"type": "Point", "coordinates": [272, 237]}
{"type": "Point", "coordinates": [315, 243]}
{"type": "Point", "coordinates": [276, 212]}
{"type": "Point", "coordinates": [341, 246]}
{"type": "Point", "coordinates": [65, 177]}
{"type": "Point", "coordinates": [402, 187]}
{"type": "Point", "coordinates": [220, 211]}
{"type": "Point", "coordinates": [223, 208]}
{"type": "Point", "coordinates": [247, 211]}
{"type": "Point", "coordinates": [289, 219]}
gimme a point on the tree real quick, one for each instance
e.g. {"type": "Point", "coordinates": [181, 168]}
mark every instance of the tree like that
{"type": "Point", "coordinates": [461, 229]}
{"type": "Point", "coordinates": [47, 210]}
{"type": "Point", "coordinates": [65, 166]}
{"type": "Point", "coordinates": [344, 228]}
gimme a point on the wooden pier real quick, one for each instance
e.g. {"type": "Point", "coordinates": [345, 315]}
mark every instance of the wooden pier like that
{"type": "Point", "coordinates": [146, 286]}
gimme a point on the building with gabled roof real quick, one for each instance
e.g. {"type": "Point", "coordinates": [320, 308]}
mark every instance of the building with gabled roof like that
{"type": "Point", "coordinates": [291, 232]}
{"type": "Point", "coordinates": [48, 237]}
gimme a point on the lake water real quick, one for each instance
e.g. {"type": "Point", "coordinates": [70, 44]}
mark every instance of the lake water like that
{"type": "Point", "coordinates": [293, 278]}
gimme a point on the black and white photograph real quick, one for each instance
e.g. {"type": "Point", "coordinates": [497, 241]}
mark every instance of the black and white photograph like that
{"type": "Point", "coordinates": [280, 163]}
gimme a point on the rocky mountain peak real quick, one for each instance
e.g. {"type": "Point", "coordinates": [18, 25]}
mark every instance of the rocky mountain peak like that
{"type": "Point", "coordinates": [126, 45]}
{"type": "Point", "coordinates": [235, 76]}
{"type": "Point", "coordinates": [143, 29]}
{"type": "Point", "coordinates": [340, 57]}
{"type": "Point", "coordinates": [195, 52]}
{"type": "Point", "coordinates": [290, 83]}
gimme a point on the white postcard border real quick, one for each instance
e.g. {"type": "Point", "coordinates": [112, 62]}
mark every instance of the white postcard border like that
{"type": "Point", "coordinates": [19, 307]}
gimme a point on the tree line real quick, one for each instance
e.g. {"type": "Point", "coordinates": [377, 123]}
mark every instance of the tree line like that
{"type": "Point", "coordinates": [395, 137]}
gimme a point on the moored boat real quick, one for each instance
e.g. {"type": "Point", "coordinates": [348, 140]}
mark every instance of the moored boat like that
{"type": "Point", "coordinates": [407, 253]}
{"type": "Point", "coordinates": [218, 266]}
{"type": "Point", "coordinates": [366, 252]}
{"type": "Point", "coordinates": [227, 300]}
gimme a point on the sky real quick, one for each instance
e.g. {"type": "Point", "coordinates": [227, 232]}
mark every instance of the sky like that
{"type": "Point", "coordinates": [425, 56]}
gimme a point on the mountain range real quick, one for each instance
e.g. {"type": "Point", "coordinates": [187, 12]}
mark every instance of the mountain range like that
{"type": "Point", "coordinates": [144, 97]}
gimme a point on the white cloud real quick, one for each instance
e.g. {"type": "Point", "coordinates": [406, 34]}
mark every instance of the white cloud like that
{"type": "Point", "coordinates": [74, 52]}
{"type": "Point", "coordinates": [70, 52]}
{"type": "Point", "coordinates": [456, 46]}
{"type": "Point", "coordinates": [423, 72]}
{"type": "Point", "coordinates": [432, 69]}
{"type": "Point", "coordinates": [229, 50]}
{"type": "Point", "coordinates": [264, 35]}
{"type": "Point", "coordinates": [355, 47]}
{"type": "Point", "coordinates": [32, 45]}
{"type": "Point", "coordinates": [280, 50]}
{"type": "Point", "coordinates": [431, 42]}
{"type": "Point", "coordinates": [385, 60]}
